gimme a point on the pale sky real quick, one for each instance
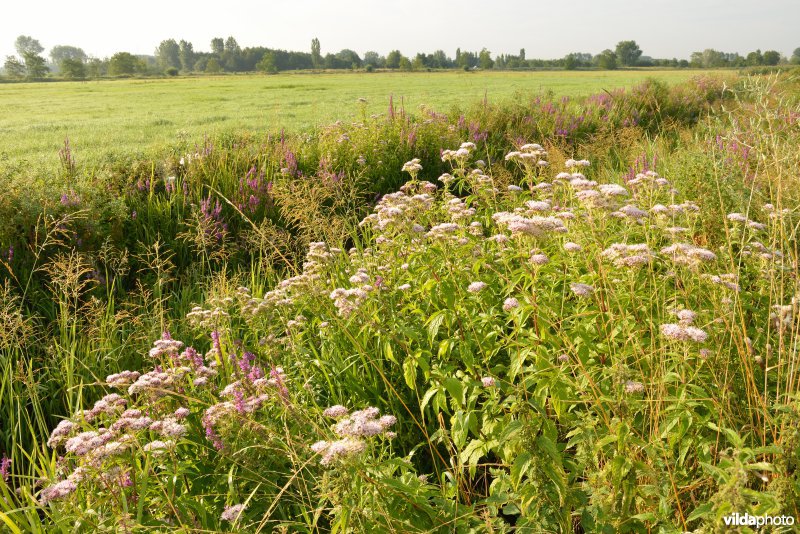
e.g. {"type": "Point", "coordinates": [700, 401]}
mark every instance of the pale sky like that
{"type": "Point", "coordinates": [552, 29]}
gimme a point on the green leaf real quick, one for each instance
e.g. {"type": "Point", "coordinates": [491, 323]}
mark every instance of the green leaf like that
{"type": "Point", "coordinates": [427, 397]}
{"type": "Point", "coordinates": [704, 510]}
{"type": "Point", "coordinates": [388, 353]}
{"type": "Point", "coordinates": [434, 323]}
{"type": "Point", "coordinates": [520, 467]}
{"type": "Point", "coordinates": [455, 388]}
{"type": "Point", "coordinates": [410, 372]}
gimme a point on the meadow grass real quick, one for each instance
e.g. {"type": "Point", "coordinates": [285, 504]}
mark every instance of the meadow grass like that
{"type": "Point", "coordinates": [415, 324]}
{"type": "Point", "coordinates": [121, 116]}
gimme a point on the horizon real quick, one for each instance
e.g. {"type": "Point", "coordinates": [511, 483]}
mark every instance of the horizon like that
{"type": "Point", "coordinates": [731, 27]}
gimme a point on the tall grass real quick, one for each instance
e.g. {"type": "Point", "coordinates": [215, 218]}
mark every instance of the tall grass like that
{"type": "Point", "coordinates": [527, 377]}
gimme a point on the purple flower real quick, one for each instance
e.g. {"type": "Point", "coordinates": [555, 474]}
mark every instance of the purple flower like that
{"type": "Point", "coordinates": [5, 466]}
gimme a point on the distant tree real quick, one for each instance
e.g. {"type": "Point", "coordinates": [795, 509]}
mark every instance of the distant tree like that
{"type": "Point", "coordinates": [25, 44]}
{"type": "Point", "coordinates": [485, 60]}
{"type": "Point", "coordinates": [169, 54]}
{"type": "Point", "coordinates": [755, 58]}
{"type": "Point", "coordinates": [213, 66]}
{"type": "Point", "coordinates": [419, 62]}
{"type": "Point", "coordinates": [268, 63]}
{"type": "Point", "coordinates": [772, 57]}
{"type": "Point", "coordinates": [61, 52]}
{"type": "Point", "coordinates": [405, 63]}
{"type": "Point", "coordinates": [231, 45]}
{"type": "Point", "coordinates": [440, 60]}
{"type": "Point", "coordinates": [393, 59]}
{"type": "Point", "coordinates": [607, 60]}
{"type": "Point", "coordinates": [713, 59]}
{"type": "Point", "coordinates": [348, 59]}
{"type": "Point", "coordinates": [30, 49]}
{"type": "Point", "coordinates": [35, 66]}
{"type": "Point", "coordinates": [96, 68]}
{"type": "Point", "coordinates": [187, 55]}
{"type": "Point", "coordinates": [373, 59]}
{"type": "Point", "coordinates": [522, 54]}
{"type": "Point", "coordinates": [122, 63]}
{"type": "Point", "coordinates": [796, 57]}
{"type": "Point", "coordinates": [14, 68]}
{"type": "Point", "coordinates": [72, 68]}
{"type": "Point", "coordinates": [316, 53]}
{"type": "Point", "coordinates": [217, 45]}
{"type": "Point", "coordinates": [570, 62]}
{"type": "Point", "coordinates": [628, 53]}
{"type": "Point", "coordinates": [232, 56]}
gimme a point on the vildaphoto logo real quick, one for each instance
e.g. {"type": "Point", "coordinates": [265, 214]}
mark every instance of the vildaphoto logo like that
{"type": "Point", "coordinates": [746, 520]}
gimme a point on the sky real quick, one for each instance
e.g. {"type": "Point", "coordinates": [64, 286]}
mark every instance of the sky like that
{"type": "Point", "coordinates": [662, 28]}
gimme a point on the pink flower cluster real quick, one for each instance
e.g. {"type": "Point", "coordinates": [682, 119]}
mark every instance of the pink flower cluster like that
{"type": "Point", "coordinates": [352, 429]}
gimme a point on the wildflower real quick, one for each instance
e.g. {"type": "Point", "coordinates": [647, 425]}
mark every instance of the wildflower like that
{"type": "Point", "coordinates": [533, 226]}
{"type": "Point", "coordinates": [569, 246]}
{"type": "Point", "coordinates": [336, 411]}
{"type": "Point", "coordinates": [412, 167]}
{"type": "Point", "coordinates": [690, 255]}
{"type": "Point", "coordinates": [563, 358]}
{"type": "Point", "coordinates": [476, 287]}
{"type": "Point", "coordinates": [123, 379]}
{"type": "Point", "coordinates": [168, 428]}
{"type": "Point", "coordinates": [538, 258]}
{"type": "Point", "coordinates": [232, 513]}
{"type": "Point", "coordinates": [404, 287]}
{"type": "Point", "coordinates": [581, 290]}
{"type": "Point", "coordinates": [181, 413]}
{"type": "Point", "coordinates": [488, 382]}
{"type": "Point", "coordinates": [458, 156]}
{"type": "Point", "coordinates": [704, 354]}
{"type": "Point", "coordinates": [341, 449]}
{"type": "Point", "coordinates": [510, 304]}
{"type": "Point", "coordinates": [686, 317]}
{"type": "Point", "coordinates": [5, 466]}
{"type": "Point", "coordinates": [514, 188]}
{"type": "Point", "coordinates": [623, 255]}
{"type": "Point", "coordinates": [85, 442]}
{"type": "Point", "coordinates": [679, 332]}
{"type": "Point", "coordinates": [60, 433]}
{"type": "Point", "coordinates": [631, 386]}
{"type": "Point", "coordinates": [57, 491]}
{"type": "Point", "coordinates": [538, 205]}
{"type": "Point", "coordinates": [728, 280]}
{"type": "Point", "coordinates": [158, 447]}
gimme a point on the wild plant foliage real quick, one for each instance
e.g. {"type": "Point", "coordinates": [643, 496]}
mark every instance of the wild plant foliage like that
{"type": "Point", "coordinates": [596, 333]}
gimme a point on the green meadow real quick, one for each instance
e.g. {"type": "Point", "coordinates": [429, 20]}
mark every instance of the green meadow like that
{"type": "Point", "coordinates": [138, 115]}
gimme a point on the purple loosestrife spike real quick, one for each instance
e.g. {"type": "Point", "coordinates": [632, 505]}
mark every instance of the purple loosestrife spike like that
{"type": "Point", "coordinates": [5, 467]}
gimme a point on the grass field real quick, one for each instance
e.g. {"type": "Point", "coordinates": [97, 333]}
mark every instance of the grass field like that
{"type": "Point", "coordinates": [137, 115]}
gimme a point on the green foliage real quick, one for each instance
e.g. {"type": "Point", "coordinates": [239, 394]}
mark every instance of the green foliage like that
{"type": "Point", "coordinates": [14, 68]}
{"type": "Point", "coordinates": [61, 52]}
{"type": "Point", "coordinates": [123, 64]}
{"type": "Point", "coordinates": [393, 59]}
{"type": "Point", "coordinates": [169, 54]}
{"type": "Point", "coordinates": [316, 55]}
{"type": "Point", "coordinates": [628, 53]}
{"type": "Point", "coordinates": [25, 44]}
{"type": "Point", "coordinates": [607, 60]}
{"type": "Point", "coordinates": [72, 68]}
{"type": "Point", "coordinates": [267, 64]}
{"type": "Point", "coordinates": [512, 398]}
{"type": "Point", "coordinates": [35, 67]}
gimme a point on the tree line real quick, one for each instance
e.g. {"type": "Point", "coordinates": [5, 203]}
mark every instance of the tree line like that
{"type": "Point", "coordinates": [173, 57]}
